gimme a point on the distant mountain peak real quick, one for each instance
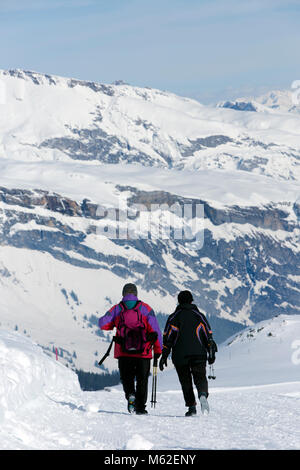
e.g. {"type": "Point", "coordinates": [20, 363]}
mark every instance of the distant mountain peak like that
{"type": "Point", "coordinates": [272, 101]}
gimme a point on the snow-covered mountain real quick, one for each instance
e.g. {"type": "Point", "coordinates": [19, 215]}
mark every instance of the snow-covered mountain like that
{"type": "Point", "coordinates": [254, 401]}
{"type": "Point", "coordinates": [273, 102]}
{"type": "Point", "coordinates": [282, 100]}
{"type": "Point", "coordinates": [56, 119]}
{"type": "Point", "coordinates": [71, 150]}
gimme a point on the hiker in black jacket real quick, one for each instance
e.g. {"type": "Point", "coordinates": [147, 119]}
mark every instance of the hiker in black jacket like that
{"type": "Point", "coordinates": [188, 334]}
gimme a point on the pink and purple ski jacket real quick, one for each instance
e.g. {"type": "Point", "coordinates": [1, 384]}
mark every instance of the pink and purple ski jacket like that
{"type": "Point", "coordinates": [111, 320]}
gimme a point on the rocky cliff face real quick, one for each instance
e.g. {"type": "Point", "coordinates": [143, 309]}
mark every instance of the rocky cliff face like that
{"type": "Point", "coordinates": [246, 270]}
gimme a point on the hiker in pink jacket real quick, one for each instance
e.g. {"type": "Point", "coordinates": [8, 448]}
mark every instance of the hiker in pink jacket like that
{"type": "Point", "coordinates": [137, 333]}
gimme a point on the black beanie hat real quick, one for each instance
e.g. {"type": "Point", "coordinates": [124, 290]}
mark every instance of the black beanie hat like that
{"type": "Point", "coordinates": [185, 297]}
{"type": "Point", "coordinates": [129, 289]}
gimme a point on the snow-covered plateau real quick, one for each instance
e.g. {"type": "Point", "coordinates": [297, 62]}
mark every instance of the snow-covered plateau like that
{"type": "Point", "coordinates": [254, 401]}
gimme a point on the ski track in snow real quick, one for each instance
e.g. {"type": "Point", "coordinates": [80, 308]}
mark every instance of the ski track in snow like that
{"type": "Point", "coordinates": [263, 417]}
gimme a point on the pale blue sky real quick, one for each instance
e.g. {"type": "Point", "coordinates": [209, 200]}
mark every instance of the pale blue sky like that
{"type": "Point", "coordinates": [210, 49]}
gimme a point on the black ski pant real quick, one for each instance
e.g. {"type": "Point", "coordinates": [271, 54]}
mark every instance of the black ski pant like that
{"type": "Point", "coordinates": [193, 370]}
{"type": "Point", "coordinates": [134, 374]}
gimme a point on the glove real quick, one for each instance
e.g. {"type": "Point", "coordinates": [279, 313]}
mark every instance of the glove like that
{"type": "Point", "coordinates": [152, 336]}
{"type": "Point", "coordinates": [212, 349]}
{"type": "Point", "coordinates": [211, 359]}
{"type": "Point", "coordinates": [163, 362]}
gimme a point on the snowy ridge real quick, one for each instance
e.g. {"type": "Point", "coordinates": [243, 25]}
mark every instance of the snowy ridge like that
{"type": "Point", "coordinates": [42, 406]}
{"type": "Point", "coordinates": [53, 118]}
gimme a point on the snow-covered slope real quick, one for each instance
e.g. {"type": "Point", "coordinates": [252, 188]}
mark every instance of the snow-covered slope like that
{"type": "Point", "coordinates": [27, 373]}
{"type": "Point", "coordinates": [42, 406]}
{"type": "Point", "coordinates": [265, 353]}
{"type": "Point", "coordinates": [268, 352]}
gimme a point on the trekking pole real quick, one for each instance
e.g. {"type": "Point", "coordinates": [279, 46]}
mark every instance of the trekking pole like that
{"type": "Point", "coordinates": [211, 372]}
{"type": "Point", "coordinates": [211, 368]}
{"type": "Point", "coordinates": [107, 352]}
{"type": "Point", "coordinates": [154, 383]}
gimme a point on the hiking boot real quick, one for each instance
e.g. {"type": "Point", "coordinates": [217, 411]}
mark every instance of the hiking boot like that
{"type": "Point", "coordinates": [131, 404]}
{"type": "Point", "coordinates": [204, 403]}
{"type": "Point", "coordinates": [141, 412]}
{"type": "Point", "coordinates": [191, 411]}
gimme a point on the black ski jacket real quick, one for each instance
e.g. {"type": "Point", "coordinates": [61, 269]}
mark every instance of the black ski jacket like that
{"type": "Point", "coordinates": [187, 333]}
